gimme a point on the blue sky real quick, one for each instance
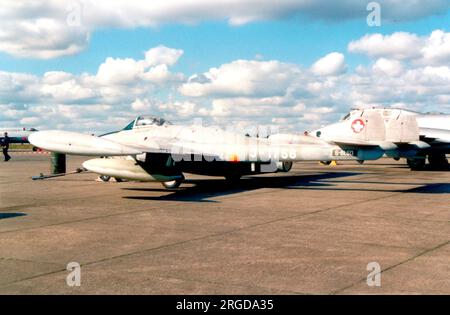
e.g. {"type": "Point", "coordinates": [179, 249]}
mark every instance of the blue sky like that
{"type": "Point", "coordinates": [264, 62]}
{"type": "Point", "coordinates": [208, 44]}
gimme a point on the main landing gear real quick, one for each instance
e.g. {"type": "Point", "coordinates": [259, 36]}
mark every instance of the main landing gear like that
{"type": "Point", "coordinates": [232, 178]}
{"type": "Point", "coordinates": [437, 161]}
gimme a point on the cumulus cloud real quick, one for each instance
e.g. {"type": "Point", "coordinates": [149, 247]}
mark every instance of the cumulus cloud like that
{"type": "Point", "coordinates": [39, 29]}
{"type": "Point", "coordinates": [54, 28]}
{"type": "Point", "coordinates": [427, 50]}
{"type": "Point", "coordinates": [61, 98]}
{"type": "Point", "coordinates": [154, 68]}
{"type": "Point", "coordinates": [331, 64]}
{"type": "Point", "coordinates": [242, 77]}
{"type": "Point", "coordinates": [241, 92]}
{"type": "Point", "coordinates": [389, 67]}
{"type": "Point", "coordinates": [436, 49]}
{"type": "Point", "coordinates": [400, 45]}
{"type": "Point", "coordinates": [162, 55]}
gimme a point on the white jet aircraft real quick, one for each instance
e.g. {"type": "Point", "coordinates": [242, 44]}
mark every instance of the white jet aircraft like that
{"type": "Point", "coordinates": [400, 133]}
{"type": "Point", "coordinates": [17, 135]}
{"type": "Point", "coordinates": [152, 149]}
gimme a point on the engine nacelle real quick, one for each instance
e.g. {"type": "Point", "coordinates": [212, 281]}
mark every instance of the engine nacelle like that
{"type": "Point", "coordinates": [284, 166]}
{"type": "Point", "coordinates": [126, 168]}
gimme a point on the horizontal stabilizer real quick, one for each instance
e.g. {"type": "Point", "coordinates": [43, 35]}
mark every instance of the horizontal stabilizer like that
{"type": "Point", "coordinates": [385, 145]}
{"type": "Point", "coordinates": [438, 135]}
{"type": "Point", "coordinates": [354, 142]}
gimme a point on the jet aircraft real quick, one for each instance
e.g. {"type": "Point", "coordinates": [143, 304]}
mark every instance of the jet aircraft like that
{"type": "Point", "coordinates": [152, 149]}
{"type": "Point", "coordinates": [399, 133]}
{"type": "Point", "coordinates": [17, 135]}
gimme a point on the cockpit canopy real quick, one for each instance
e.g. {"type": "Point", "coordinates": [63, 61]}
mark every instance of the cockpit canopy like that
{"type": "Point", "coordinates": [147, 121]}
{"type": "Point", "coordinates": [150, 120]}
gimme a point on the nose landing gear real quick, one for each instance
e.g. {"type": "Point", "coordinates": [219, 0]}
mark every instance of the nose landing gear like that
{"type": "Point", "coordinates": [173, 184]}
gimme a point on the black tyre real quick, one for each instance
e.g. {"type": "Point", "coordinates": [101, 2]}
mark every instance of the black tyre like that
{"type": "Point", "coordinates": [438, 161]}
{"type": "Point", "coordinates": [105, 178]}
{"type": "Point", "coordinates": [416, 164]}
{"type": "Point", "coordinates": [232, 178]}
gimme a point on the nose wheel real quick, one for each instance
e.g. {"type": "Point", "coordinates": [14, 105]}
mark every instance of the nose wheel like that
{"type": "Point", "coordinates": [107, 178]}
{"type": "Point", "coordinates": [173, 184]}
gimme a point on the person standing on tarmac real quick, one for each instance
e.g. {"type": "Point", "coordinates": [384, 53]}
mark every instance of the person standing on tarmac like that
{"type": "Point", "coordinates": [5, 147]}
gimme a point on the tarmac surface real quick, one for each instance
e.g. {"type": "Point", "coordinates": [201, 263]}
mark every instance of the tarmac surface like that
{"type": "Point", "coordinates": [313, 230]}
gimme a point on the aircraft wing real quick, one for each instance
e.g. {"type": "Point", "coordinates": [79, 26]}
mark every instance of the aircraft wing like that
{"type": "Point", "coordinates": [385, 145]}
{"type": "Point", "coordinates": [355, 142]}
{"type": "Point", "coordinates": [79, 144]}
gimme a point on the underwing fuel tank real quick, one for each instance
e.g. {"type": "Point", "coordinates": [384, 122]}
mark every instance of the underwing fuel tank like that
{"type": "Point", "coordinates": [125, 168]}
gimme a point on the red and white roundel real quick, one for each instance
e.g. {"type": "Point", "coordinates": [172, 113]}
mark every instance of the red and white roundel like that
{"type": "Point", "coordinates": [358, 125]}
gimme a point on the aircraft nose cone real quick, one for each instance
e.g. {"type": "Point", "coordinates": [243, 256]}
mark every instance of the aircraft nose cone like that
{"type": "Point", "coordinates": [37, 139]}
{"type": "Point", "coordinates": [77, 143]}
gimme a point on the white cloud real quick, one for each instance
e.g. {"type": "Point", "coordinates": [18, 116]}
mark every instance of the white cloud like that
{"type": "Point", "coordinates": [330, 65]}
{"type": "Point", "coordinates": [426, 50]}
{"type": "Point", "coordinates": [437, 48]}
{"type": "Point", "coordinates": [38, 29]}
{"type": "Point", "coordinates": [154, 68]}
{"type": "Point", "coordinates": [241, 91]}
{"type": "Point", "coordinates": [141, 106]}
{"type": "Point", "coordinates": [242, 78]}
{"type": "Point", "coordinates": [133, 13]}
{"type": "Point", "coordinates": [400, 45]}
{"type": "Point", "coordinates": [389, 67]}
{"type": "Point", "coordinates": [162, 55]}
{"type": "Point", "coordinates": [120, 71]}
{"type": "Point", "coordinates": [60, 98]}
{"type": "Point", "coordinates": [46, 28]}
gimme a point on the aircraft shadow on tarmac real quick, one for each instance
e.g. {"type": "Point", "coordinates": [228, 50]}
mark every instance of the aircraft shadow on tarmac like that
{"type": "Point", "coordinates": [204, 189]}
{"type": "Point", "coordinates": [429, 168]}
{"type": "Point", "coordinates": [9, 215]}
{"type": "Point", "coordinates": [436, 188]}
{"type": "Point", "coordinates": [207, 188]}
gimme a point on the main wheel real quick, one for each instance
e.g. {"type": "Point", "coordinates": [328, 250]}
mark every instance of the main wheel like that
{"type": "Point", "coordinates": [416, 164]}
{"type": "Point", "coordinates": [232, 178]}
{"type": "Point", "coordinates": [172, 184]}
{"type": "Point", "coordinates": [105, 178]}
{"type": "Point", "coordinates": [438, 160]}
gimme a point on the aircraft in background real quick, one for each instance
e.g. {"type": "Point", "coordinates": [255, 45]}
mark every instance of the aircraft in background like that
{"type": "Point", "coordinates": [17, 135]}
{"type": "Point", "coordinates": [400, 133]}
{"type": "Point", "coordinates": [153, 149]}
